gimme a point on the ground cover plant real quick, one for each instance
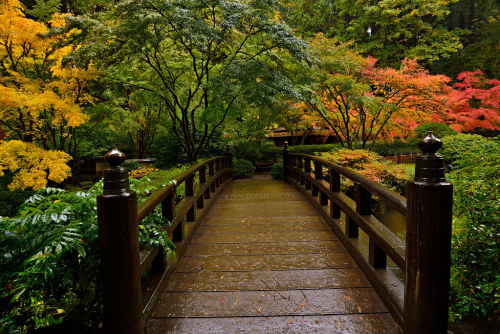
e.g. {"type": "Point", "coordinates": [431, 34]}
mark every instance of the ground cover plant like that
{"type": "Point", "coordinates": [50, 256]}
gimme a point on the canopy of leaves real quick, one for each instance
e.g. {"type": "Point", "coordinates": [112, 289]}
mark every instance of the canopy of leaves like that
{"type": "Point", "coordinates": [205, 60]}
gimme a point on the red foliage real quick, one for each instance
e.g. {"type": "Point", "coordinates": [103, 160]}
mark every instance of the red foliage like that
{"type": "Point", "coordinates": [474, 103]}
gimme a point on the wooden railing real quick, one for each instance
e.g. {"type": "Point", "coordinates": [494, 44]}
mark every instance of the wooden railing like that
{"type": "Point", "coordinates": [128, 300]}
{"type": "Point", "coordinates": [420, 304]}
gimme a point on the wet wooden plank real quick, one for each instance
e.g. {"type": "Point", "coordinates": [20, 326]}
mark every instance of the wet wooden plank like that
{"type": "Point", "coordinates": [253, 228]}
{"type": "Point", "coordinates": [268, 280]}
{"type": "Point", "coordinates": [269, 303]}
{"type": "Point", "coordinates": [262, 212]}
{"type": "Point", "coordinates": [283, 219]}
{"type": "Point", "coordinates": [381, 323]}
{"type": "Point", "coordinates": [302, 247]}
{"type": "Point", "coordinates": [264, 237]}
{"type": "Point", "coordinates": [265, 262]}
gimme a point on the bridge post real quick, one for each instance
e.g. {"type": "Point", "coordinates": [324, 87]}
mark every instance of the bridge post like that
{"type": "Point", "coordinates": [119, 243]}
{"type": "Point", "coordinates": [428, 243]}
{"type": "Point", "coordinates": [229, 162]}
{"type": "Point", "coordinates": [285, 160]}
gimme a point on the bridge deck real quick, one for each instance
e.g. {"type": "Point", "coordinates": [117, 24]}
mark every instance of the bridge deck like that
{"type": "Point", "coordinates": [263, 261]}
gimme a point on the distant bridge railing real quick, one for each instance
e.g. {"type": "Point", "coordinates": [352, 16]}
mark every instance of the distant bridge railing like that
{"type": "Point", "coordinates": [420, 304]}
{"type": "Point", "coordinates": [127, 299]}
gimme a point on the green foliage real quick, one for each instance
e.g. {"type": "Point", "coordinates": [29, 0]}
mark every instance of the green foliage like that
{"type": "Point", "coordinates": [277, 171]}
{"type": "Point", "coordinates": [50, 259]}
{"type": "Point", "coordinates": [313, 149]}
{"type": "Point", "coordinates": [397, 146]}
{"type": "Point", "coordinates": [131, 165]}
{"type": "Point", "coordinates": [242, 168]}
{"type": "Point", "coordinates": [439, 130]}
{"type": "Point", "coordinates": [475, 270]}
{"type": "Point", "coordinates": [10, 201]}
{"type": "Point", "coordinates": [462, 148]}
{"type": "Point", "coordinates": [44, 9]}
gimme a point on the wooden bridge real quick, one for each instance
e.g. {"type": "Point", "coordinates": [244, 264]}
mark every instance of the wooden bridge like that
{"type": "Point", "coordinates": [264, 256]}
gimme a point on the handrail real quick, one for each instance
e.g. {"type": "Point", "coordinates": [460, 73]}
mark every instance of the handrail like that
{"type": "Point", "coordinates": [419, 305]}
{"type": "Point", "coordinates": [389, 196]}
{"type": "Point", "coordinates": [127, 304]}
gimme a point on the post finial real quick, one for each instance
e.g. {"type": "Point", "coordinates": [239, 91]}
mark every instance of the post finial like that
{"type": "Point", "coordinates": [286, 145]}
{"type": "Point", "coordinates": [228, 148]}
{"type": "Point", "coordinates": [115, 178]}
{"type": "Point", "coordinates": [114, 157]}
{"type": "Point", "coordinates": [430, 144]}
{"type": "Point", "coordinates": [429, 167]}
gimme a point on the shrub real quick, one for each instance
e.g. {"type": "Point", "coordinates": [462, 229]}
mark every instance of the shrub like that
{"type": "Point", "coordinates": [277, 171]}
{"type": "Point", "coordinates": [50, 258]}
{"type": "Point", "coordinates": [131, 165]}
{"type": "Point", "coordinates": [439, 130]}
{"type": "Point", "coordinates": [141, 172]}
{"type": "Point", "coordinates": [372, 166]}
{"type": "Point", "coordinates": [242, 168]}
{"type": "Point", "coordinates": [475, 268]}
{"type": "Point", "coordinates": [398, 146]}
{"type": "Point", "coordinates": [313, 149]}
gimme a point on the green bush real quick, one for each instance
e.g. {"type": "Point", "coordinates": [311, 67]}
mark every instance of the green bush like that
{"type": "Point", "coordinates": [10, 201]}
{"type": "Point", "coordinates": [439, 130]}
{"type": "Point", "coordinates": [475, 267]}
{"type": "Point", "coordinates": [50, 258]}
{"type": "Point", "coordinates": [313, 149]}
{"type": "Point", "coordinates": [465, 148]}
{"type": "Point", "coordinates": [398, 146]}
{"type": "Point", "coordinates": [277, 171]}
{"type": "Point", "coordinates": [242, 168]}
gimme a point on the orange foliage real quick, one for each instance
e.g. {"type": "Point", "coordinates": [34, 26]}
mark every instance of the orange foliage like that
{"type": "Point", "coordinates": [474, 103]}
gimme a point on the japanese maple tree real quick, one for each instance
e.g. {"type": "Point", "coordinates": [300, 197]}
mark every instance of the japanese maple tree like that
{"type": "Point", "coordinates": [474, 103]}
{"type": "Point", "coordinates": [362, 102]}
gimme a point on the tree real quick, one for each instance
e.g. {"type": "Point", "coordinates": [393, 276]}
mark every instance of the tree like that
{"type": "Point", "coordinates": [389, 30]}
{"type": "Point", "coordinates": [206, 61]}
{"type": "Point", "coordinates": [474, 103]}
{"type": "Point", "coordinates": [362, 102]}
{"type": "Point", "coordinates": [41, 95]}
{"type": "Point", "coordinates": [31, 165]}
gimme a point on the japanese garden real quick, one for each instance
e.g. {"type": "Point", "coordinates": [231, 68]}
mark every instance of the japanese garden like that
{"type": "Point", "coordinates": [212, 166]}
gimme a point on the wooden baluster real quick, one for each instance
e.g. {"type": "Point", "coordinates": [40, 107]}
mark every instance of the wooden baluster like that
{"type": "Point", "coordinates": [286, 160]}
{"type": "Point", "coordinates": [300, 167]}
{"type": "Point", "coordinates": [428, 243]}
{"type": "Point", "coordinates": [318, 175]}
{"type": "Point", "coordinates": [229, 162]}
{"type": "Point", "coordinates": [335, 188]}
{"type": "Point", "coordinates": [217, 169]}
{"type": "Point", "coordinates": [323, 197]}
{"type": "Point", "coordinates": [211, 173]}
{"type": "Point", "coordinates": [189, 184]}
{"type": "Point", "coordinates": [307, 170]}
{"type": "Point", "coordinates": [203, 180]}
{"type": "Point", "coordinates": [202, 176]}
{"type": "Point", "coordinates": [119, 243]}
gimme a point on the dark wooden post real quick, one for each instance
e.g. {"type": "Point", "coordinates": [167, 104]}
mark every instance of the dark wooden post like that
{"type": "Point", "coordinates": [285, 160]}
{"type": "Point", "coordinates": [119, 243]}
{"type": "Point", "coordinates": [211, 172]}
{"type": "Point", "coordinates": [318, 175]}
{"type": "Point", "coordinates": [428, 243]}
{"type": "Point", "coordinates": [307, 171]}
{"type": "Point", "coordinates": [217, 169]}
{"type": "Point", "coordinates": [229, 161]}
{"type": "Point", "coordinates": [189, 184]}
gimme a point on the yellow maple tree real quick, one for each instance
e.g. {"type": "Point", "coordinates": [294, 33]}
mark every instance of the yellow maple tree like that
{"type": "Point", "coordinates": [41, 95]}
{"type": "Point", "coordinates": [31, 165]}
